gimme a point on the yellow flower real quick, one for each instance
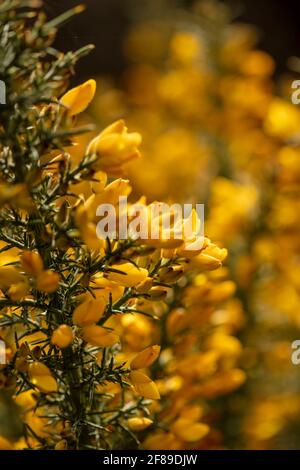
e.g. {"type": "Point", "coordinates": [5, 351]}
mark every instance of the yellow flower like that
{"type": "Point", "coordinates": [144, 386]}
{"type": "Point", "coordinates": [89, 236]}
{"type": "Point", "coordinates": [185, 47]}
{"type": "Point", "coordinates": [104, 288]}
{"type": "Point", "coordinates": [129, 275]}
{"type": "Point", "coordinates": [25, 399]}
{"type": "Point", "coordinates": [40, 376]}
{"type": "Point", "coordinates": [226, 345]}
{"type": "Point", "coordinates": [207, 262]}
{"type": "Point", "coordinates": [171, 274]}
{"type": "Point", "coordinates": [163, 441]}
{"type": "Point", "coordinates": [192, 412]}
{"type": "Point", "coordinates": [144, 286]}
{"type": "Point", "coordinates": [189, 431]}
{"type": "Point", "coordinates": [216, 251]}
{"type": "Point", "coordinates": [110, 195]}
{"type": "Point", "coordinates": [145, 358]}
{"type": "Point", "coordinates": [32, 263]}
{"type": "Point", "coordinates": [47, 281]}
{"type": "Point", "coordinates": [115, 146]}
{"type": "Point", "coordinates": [88, 229]}
{"type": "Point", "coordinates": [99, 182]}
{"type": "Point", "coordinates": [98, 336]}
{"type": "Point", "coordinates": [210, 258]}
{"type": "Point", "coordinates": [62, 337]}
{"type": "Point", "coordinates": [222, 291]}
{"type": "Point", "coordinates": [257, 63]}
{"type": "Point", "coordinates": [8, 255]}
{"type": "Point", "coordinates": [18, 291]}
{"type": "Point", "coordinates": [283, 119]}
{"type": "Point", "coordinates": [222, 383]}
{"type": "Point", "coordinates": [77, 99]}
{"type": "Point", "coordinates": [89, 312]}
{"type": "Point", "coordinates": [9, 276]}
{"type": "Point", "coordinates": [138, 424]}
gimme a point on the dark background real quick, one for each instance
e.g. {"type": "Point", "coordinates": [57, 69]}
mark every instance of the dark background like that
{"type": "Point", "coordinates": [105, 22]}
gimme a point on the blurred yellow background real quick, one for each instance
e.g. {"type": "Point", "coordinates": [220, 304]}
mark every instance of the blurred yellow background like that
{"type": "Point", "coordinates": [218, 129]}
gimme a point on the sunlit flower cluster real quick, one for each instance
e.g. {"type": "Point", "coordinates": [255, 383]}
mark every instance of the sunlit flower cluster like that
{"type": "Point", "coordinates": [109, 343]}
{"type": "Point", "coordinates": [215, 130]}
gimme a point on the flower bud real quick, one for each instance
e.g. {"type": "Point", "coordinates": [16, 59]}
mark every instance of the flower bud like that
{"type": "Point", "coordinates": [47, 281]}
{"type": "Point", "coordinates": [18, 291]}
{"type": "Point", "coordinates": [40, 376]}
{"type": "Point", "coordinates": [145, 358]}
{"type": "Point", "coordinates": [62, 337]}
{"type": "Point", "coordinates": [144, 286]}
{"type": "Point", "coordinates": [144, 386]}
{"type": "Point", "coordinates": [98, 336]}
{"type": "Point", "coordinates": [115, 146]}
{"type": "Point", "coordinates": [188, 431]}
{"type": "Point", "coordinates": [170, 274]}
{"type": "Point", "coordinates": [138, 424]}
{"type": "Point", "coordinates": [32, 263]}
{"type": "Point", "coordinates": [158, 293]}
{"type": "Point", "coordinates": [129, 275]}
{"type": "Point", "coordinates": [99, 182]}
{"type": "Point", "coordinates": [207, 262]}
{"type": "Point", "coordinates": [9, 276]}
{"type": "Point", "coordinates": [77, 99]}
{"type": "Point", "coordinates": [89, 312]}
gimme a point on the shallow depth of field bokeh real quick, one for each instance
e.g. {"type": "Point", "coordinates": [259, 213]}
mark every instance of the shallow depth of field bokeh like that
{"type": "Point", "coordinates": [190, 350]}
{"type": "Point", "coordinates": [218, 128]}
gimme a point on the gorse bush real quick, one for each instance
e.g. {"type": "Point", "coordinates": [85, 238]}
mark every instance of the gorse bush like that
{"type": "Point", "coordinates": [110, 343]}
{"type": "Point", "coordinates": [221, 129]}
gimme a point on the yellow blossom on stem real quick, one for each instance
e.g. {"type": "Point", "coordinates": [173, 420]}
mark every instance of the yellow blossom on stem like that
{"type": "Point", "coordinates": [99, 182]}
{"type": "Point", "coordinates": [98, 336]}
{"type": "Point", "coordinates": [41, 377]}
{"type": "Point", "coordinates": [18, 291]}
{"type": "Point", "coordinates": [62, 337]}
{"type": "Point", "coordinates": [210, 258]}
{"type": "Point", "coordinates": [189, 431]}
{"type": "Point", "coordinates": [110, 195]}
{"type": "Point", "coordinates": [143, 385]}
{"type": "Point", "coordinates": [163, 441]}
{"type": "Point", "coordinates": [25, 399]}
{"type": "Point", "coordinates": [47, 281]}
{"type": "Point", "coordinates": [139, 424]}
{"type": "Point", "coordinates": [89, 312]}
{"type": "Point", "coordinates": [126, 274]}
{"type": "Point", "coordinates": [9, 276]}
{"type": "Point", "coordinates": [32, 263]}
{"type": "Point", "coordinates": [104, 288]}
{"type": "Point", "coordinates": [145, 358]}
{"type": "Point", "coordinates": [115, 146]}
{"type": "Point", "coordinates": [77, 99]}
